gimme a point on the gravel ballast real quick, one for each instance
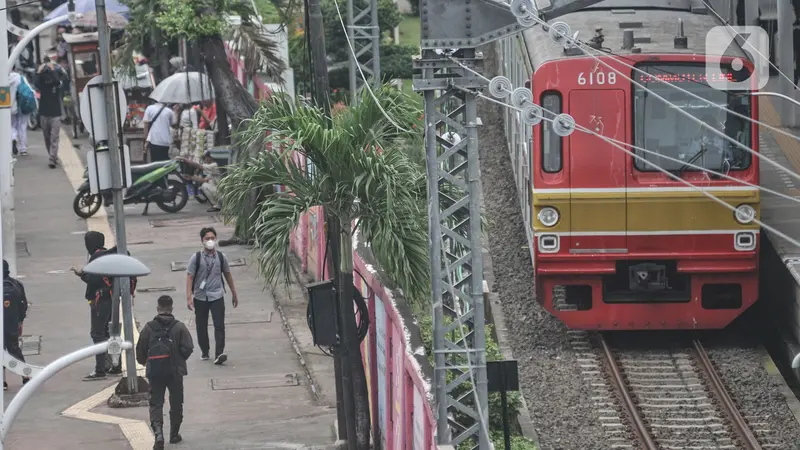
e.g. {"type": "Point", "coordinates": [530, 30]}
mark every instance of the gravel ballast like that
{"type": "Point", "coordinates": [739, 362]}
{"type": "Point", "coordinates": [559, 401]}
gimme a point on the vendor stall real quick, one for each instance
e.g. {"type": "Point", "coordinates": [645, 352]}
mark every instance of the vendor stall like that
{"type": "Point", "coordinates": [84, 64]}
{"type": "Point", "coordinates": [137, 91]}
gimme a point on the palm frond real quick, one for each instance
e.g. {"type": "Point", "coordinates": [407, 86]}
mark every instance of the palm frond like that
{"type": "Point", "coordinates": [260, 51]}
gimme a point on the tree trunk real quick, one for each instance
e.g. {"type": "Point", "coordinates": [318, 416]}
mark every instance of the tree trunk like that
{"type": "Point", "coordinates": [358, 380]}
{"type": "Point", "coordinates": [238, 105]}
{"type": "Point", "coordinates": [237, 102]}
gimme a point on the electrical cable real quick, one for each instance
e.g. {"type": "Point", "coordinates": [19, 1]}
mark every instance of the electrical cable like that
{"type": "Point", "coordinates": [20, 4]}
{"type": "Point", "coordinates": [580, 45]}
{"type": "Point", "coordinates": [358, 65]}
{"type": "Point", "coordinates": [766, 58]}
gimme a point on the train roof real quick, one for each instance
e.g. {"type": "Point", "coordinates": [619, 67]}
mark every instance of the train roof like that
{"type": "Point", "coordinates": [654, 23]}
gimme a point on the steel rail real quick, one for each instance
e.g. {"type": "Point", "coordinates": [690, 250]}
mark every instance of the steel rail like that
{"type": "Point", "coordinates": [739, 424]}
{"type": "Point", "coordinates": [640, 428]}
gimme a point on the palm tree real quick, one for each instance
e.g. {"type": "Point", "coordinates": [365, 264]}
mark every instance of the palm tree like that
{"type": "Point", "coordinates": [362, 174]}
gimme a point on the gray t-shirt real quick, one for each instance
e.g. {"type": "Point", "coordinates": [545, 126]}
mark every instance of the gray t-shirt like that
{"type": "Point", "coordinates": [210, 272]}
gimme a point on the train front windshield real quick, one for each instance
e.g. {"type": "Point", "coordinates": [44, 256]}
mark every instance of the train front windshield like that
{"type": "Point", "coordinates": [664, 128]}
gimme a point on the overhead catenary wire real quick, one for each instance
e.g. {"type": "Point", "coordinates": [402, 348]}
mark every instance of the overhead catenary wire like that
{"type": "Point", "coordinates": [700, 189]}
{"type": "Point", "coordinates": [744, 147]}
{"type": "Point", "coordinates": [659, 155]}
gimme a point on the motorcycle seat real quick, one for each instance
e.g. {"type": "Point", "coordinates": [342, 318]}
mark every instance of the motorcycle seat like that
{"type": "Point", "coordinates": [147, 168]}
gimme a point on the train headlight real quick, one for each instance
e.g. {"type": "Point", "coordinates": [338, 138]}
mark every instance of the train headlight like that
{"type": "Point", "coordinates": [548, 216]}
{"type": "Point", "coordinates": [745, 214]}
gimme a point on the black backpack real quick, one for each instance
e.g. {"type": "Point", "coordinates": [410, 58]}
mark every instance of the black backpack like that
{"type": "Point", "coordinates": [159, 356]}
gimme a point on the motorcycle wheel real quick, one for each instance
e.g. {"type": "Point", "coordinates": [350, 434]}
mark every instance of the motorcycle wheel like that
{"type": "Point", "coordinates": [33, 121]}
{"type": "Point", "coordinates": [181, 197]}
{"type": "Point", "coordinates": [86, 204]}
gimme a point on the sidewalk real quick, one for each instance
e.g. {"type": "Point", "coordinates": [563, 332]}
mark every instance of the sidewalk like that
{"type": "Point", "coordinates": [261, 398]}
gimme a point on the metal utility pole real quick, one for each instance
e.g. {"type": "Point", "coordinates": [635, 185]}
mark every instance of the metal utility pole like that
{"type": "Point", "coordinates": [785, 59]}
{"type": "Point", "coordinates": [456, 250]}
{"type": "Point", "coordinates": [365, 37]}
{"type": "Point", "coordinates": [344, 383]}
{"type": "Point", "coordinates": [751, 13]}
{"type": "Point", "coordinates": [121, 285]}
{"type": "Point", "coordinates": [6, 158]}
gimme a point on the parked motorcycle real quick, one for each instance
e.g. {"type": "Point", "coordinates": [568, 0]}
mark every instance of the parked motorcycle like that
{"type": "Point", "coordinates": [151, 183]}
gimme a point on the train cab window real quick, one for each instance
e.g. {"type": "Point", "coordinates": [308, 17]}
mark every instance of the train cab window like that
{"type": "Point", "coordinates": [551, 142]}
{"type": "Point", "coordinates": [666, 129]}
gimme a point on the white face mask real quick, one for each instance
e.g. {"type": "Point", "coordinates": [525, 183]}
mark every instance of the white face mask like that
{"type": "Point", "coordinates": [209, 244]}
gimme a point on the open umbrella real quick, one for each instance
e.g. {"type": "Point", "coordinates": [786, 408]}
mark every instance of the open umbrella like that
{"type": "Point", "coordinates": [183, 87]}
{"type": "Point", "coordinates": [87, 6]}
{"type": "Point", "coordinates": [89, 20]}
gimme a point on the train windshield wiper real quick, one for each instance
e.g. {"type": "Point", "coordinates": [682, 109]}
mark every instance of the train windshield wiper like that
{"type": "Point", "coordinates": [695, 157]}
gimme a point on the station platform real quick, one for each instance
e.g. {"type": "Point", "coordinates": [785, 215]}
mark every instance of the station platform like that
{"type": "Point", "coordinates": [780, 259]}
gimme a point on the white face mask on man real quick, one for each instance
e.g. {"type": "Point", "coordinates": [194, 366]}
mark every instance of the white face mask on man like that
{"type": "Point", "coordinates": [210, 244]}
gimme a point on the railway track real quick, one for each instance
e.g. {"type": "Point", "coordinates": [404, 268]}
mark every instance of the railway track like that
{"type": "Point", "coordinates": [664, 399]}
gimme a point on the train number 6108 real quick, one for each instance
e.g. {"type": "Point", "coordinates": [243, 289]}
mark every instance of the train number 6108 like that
{"type": "Point", "coordinates": [597, 78]}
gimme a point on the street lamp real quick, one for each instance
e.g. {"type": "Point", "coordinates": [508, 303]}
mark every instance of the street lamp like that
{"type": "Point", "coordinates": [114, 265]}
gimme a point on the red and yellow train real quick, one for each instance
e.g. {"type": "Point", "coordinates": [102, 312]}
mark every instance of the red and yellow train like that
{"type": "Point", "coordinates": [619, 244]}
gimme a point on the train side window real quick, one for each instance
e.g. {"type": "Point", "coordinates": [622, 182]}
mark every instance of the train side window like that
{"type": "Point", "coordinates": [551, 142]}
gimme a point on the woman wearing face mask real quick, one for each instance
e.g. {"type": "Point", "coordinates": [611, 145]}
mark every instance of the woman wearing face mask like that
{"type": "Point", "coordinates": [206, 275]}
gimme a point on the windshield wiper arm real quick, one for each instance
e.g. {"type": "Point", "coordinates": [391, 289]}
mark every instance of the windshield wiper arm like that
{"type": "Point", "coordinates": [695, 157]}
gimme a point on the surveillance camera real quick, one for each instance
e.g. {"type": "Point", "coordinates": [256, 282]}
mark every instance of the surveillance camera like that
{"type": "Point", "coordinates": [73, 17]}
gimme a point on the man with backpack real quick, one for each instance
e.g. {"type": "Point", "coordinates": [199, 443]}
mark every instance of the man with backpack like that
{"type": "Point", "coordinates": [158, 120]}
{"type": "Point", "coordinates": [206, 274]}
{"type": "Point", "coordinates": [23, 104]}
{"type": "Point", "coordinates": [164, 346]}
{"type": "Point", "coordinates": [99, 294]}
{"type": "Point", "coordinates": [15, 308]}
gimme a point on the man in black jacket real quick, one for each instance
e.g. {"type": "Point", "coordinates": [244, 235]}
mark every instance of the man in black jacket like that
{"type": "Point", "coordinates": [165, 329]}
{"type": "Point", "coordinates": [98, 294]}
{"type": "Point", "coordinates": [49, 79]}
{"type": "Point", "coordinates": [15, 308]}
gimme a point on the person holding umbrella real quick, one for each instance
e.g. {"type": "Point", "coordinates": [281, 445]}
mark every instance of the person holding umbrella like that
{"type": "Point", "coordinates": [158, 120]}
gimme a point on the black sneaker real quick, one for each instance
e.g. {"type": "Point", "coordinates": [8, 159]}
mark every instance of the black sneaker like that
{"type": "Point", "coordinates": [52, 165]}
{"type": "Point", "coordinates": [94, 376]}
{"type": "Point", "coordinates": [115, 371]}
{"type": "Point", "coordinates": [204, 357]}
{"type": "Point", "coordinates": [221, 359]}
{"type": "Point", "coordinates": [14, 148]}
{"type": "Point", "coordinates": [213, 209]}
{"type": "Point", "coordinates": [5, 386]}
{"type": "Point", "coordinates": [25, 380]}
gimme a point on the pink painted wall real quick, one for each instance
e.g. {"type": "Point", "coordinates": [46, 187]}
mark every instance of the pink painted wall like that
{"type": "Point", "coordinates": [401, 413]}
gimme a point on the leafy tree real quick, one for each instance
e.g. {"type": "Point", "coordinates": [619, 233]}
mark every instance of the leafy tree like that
{"type": "Point", "coordinates": [362, 173]}
{"type": "Point", "coordinates": [204, 24]}
{"type": "Point", "coordinates": [395, 59]}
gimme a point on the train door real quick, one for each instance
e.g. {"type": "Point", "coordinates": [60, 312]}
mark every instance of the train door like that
{"type": "Point", "coordinates": [598, 183]}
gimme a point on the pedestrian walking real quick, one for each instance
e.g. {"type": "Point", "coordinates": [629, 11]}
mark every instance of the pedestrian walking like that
{"type": "Point", "coordinates": [206, 274]}
{"type": "Point", "coordinates": [15, 308]}
{"type": "Point", "coordinates": [23, 104]}
{"type": "Point", "coordinates": [48, 81]}
{"type": "Point", "coordinates": [164, 346]}
{"type": "Point", "coordinates": [158, 120]}
{"type": "Point", "coordinates": [208, 180]}
{"type": "Point", "coordinates": [99, 295]}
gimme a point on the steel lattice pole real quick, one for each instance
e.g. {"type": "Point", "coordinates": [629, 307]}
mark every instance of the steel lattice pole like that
{"type": "Point", "coordinates": [456, 256]}
{"type": "Point", "coordinates": [364, 32]}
